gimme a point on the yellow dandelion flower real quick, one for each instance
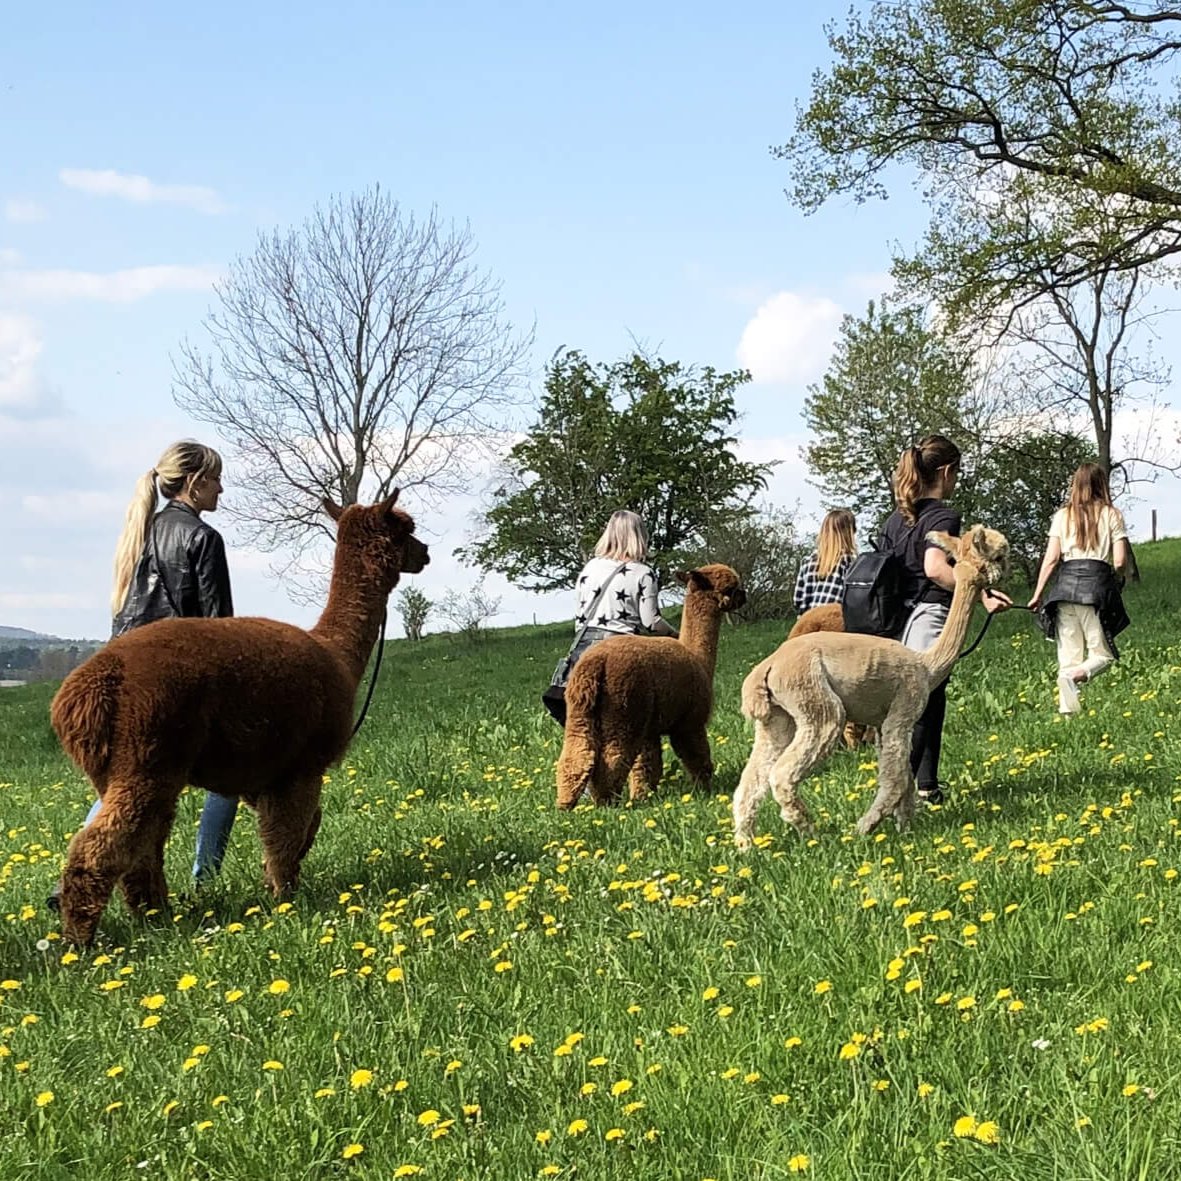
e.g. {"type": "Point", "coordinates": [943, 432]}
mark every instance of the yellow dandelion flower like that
{"type": "Point", "coordinates": [111, 985]}
{"type": "Point", "coordinates": [205, 1125]}
{"type": "Point", "coordinates": [544, 1136]}
{"type": "Point", "coordinates": [429, 1118]}
{"type": "Point", "coordinates": [1130, 1090]}
{"type": "Point", "coordinates": [44, 1099]}
{"type": "Point", "coordinates": [621, 1087]}
{"type": "Point", "coordinates": [114, 1071]}
{"type": "Point", "coordinates": [112, 1107]}
{"type": "Point", "coordinates": [169, 1107]}
{"type": "Point", "coordinates": [822, 986]}
{"type": "Point", "coordinates": [632, 1107]}
{"type": "Point", "coordinates": [791, 1043]}
{"type": "Point", "coordinates": [912, 986]}
{"type": "Point", "coordinates": [799, 1163]}
{"type": "Point", "coordinates": [548, 1171]}
{"type": "Point", "coordinates": [588, 1088]}
{"type": "Point", "coordinates": [407, 1170]}
{"type": "Point", "coordinates": [780, 1099]}
{"type": "Point", "coordinates": [150, 1021]}
{"type": "Point", "coordinates": [395, 975]}
{"type": "Point", "coordinates": [190, 1063]}
{"type": "Point", "coordinates": [218, 1100]}
{"type": "Point", "coordinates": [1083, 1121]}
{"type": "Point", "coordinates": [187, 981]}
{"type": "Point", "coordinates": [849, 1050]}
{"type": "Point", "coordinates": [9, 985]}
{"type": "Point", "coordinates": [152, 1002]}
{"type": "Point", "coordinates": [965, 1127]}
{"type": "Point", "coordinates": [882, 1084]}
{"type": "Point", "coordinates": [200, 1051]}
{"type": "Point", "coordinates": [351, 1150]}
{"type": "Point", "coordinates": [521, 1042]}
{"type": "Point", "coordinates": [360, 1078]}
{"type": "Point", "coordinates": [271, 1064]}
{"type": "Point", "coordinates": [576, 1127]}
{"type": "Point", "coordinates": [965, 1003]}
{"type": "Point", "coordinates": [613, 1134]}
{"type": "Point", "coordinates": [503, 966]}
{"type": "Point", "coordinates": [677, 1030]}
{"type": "Point", "coordinates": [234, 995]}
{"type": "Point", "coordinates": [710, 993]}
{"type": "Point", "coordinates": [324, 1092]}
{"type": "Point", "coordinates": [1016, 1006]}
{"type": "Point", "coordinates": [753, 981]}
{"type": "Point", "coordinates": [987, 1132]}
{"type": "Point", "coordinates": [278, 987]}
{"type": "Point", "coordinates": [451, 1067]}
{"type": "Point", "coordinates": [925, 1089]}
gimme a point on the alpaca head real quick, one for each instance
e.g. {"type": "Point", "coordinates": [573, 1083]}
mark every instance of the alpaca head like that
{"type": "Point", "coordinates": [717, 583]}
{"type": "Point", "coordinates": [981, 556]}
{"type": "Point", "coordinates": [379, 540]}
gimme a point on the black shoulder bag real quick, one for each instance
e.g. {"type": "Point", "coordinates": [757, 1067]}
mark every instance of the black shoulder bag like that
{"type": "Point", "coordinates": [554, 697]}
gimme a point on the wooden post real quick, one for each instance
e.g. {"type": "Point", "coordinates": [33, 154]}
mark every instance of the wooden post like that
{"type": "Point", "coordinates": [1154, 524]}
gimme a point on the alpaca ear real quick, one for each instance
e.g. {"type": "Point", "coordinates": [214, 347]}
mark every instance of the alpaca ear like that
{"type": "Point", "coordinates": [948, 544]}
{"type": "Point", "coordinates": [384, 506]}
{"type": "Point", "coordinates": [693, 578]}
{"type": "Point", "coordinates": [332, 508]}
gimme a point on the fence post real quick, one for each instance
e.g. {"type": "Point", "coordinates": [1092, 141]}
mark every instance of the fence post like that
{"type": "Point", "coordinates": [1154, 524]}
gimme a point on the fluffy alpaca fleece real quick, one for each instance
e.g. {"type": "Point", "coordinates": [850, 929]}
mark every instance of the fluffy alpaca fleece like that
{"type": "Point", "coordinates": [801, 696]}
{"type": "Point", "coordinates": [629, 691]}
{"type": "Point", "coordinates": [243, 707]}
{"type": "Point", "coordinates": [830, 617]}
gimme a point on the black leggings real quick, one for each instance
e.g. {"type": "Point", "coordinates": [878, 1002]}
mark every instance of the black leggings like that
{"type": "Point", "coordinates": [927, 739]}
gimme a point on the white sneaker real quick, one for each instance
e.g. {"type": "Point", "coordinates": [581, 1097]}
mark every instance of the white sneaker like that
{"type": "Point", "coordinates": [1068, 702]}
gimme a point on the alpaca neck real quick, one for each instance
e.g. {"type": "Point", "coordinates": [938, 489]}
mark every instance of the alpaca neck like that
{"type": "Point", "coordinates": [699, 633]}
{"type": "Point", "coordinates": [351, 618]}
{"type": "Point", "coordinates": [940, 657]}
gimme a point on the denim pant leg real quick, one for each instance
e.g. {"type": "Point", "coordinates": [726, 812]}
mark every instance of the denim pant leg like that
{"type": "Point", "coordinates": [213, 834]}
{"type": "Point", "coordinates": [922, 630]}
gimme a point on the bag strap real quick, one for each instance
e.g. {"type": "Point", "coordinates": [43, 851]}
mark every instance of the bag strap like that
{"type": "Point", "coordinates": [594, 603]}
{"type": "Point", "coordinates": [160, 569]}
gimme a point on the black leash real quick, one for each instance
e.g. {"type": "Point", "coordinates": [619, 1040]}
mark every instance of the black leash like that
{"type": "Point", "coordinates": [373, 678]}
{"type": "Point", "coordinates": [976, 642]}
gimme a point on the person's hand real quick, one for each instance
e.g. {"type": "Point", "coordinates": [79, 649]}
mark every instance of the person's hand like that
{"type": "Point", "coordinates": [995, 601]}
{"type": "Point", "coordinates": [1035, 603]}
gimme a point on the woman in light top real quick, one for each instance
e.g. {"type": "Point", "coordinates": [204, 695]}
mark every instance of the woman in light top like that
{"type": "Point", "coordinates": [822, 575]}
{"type": "Point", "coordinates": [1084, 612]}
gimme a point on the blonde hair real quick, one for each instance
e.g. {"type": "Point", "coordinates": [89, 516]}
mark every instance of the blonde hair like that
{"type": "Point", "coordinates": [1090, 494]}
{"type": "Point", "coordinates": [625, 539]}
{"type": "Point", "coordinates": [918, 466]}
{"type": "Point", "coordinates": [175, 470]}
{"type": "Point", "coordinates": [835, 540]}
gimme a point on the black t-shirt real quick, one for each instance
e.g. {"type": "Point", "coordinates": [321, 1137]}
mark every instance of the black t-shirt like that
{"type": "Point", "coordinates": [911, 545]}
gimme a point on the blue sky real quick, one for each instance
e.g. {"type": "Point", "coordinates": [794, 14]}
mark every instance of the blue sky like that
{"type": "Point", "coordinates": [613, 164]}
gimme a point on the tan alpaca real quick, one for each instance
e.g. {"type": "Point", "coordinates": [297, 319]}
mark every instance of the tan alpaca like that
{"type": "Point", "coordinates": [802, 694]}
{"type": "Point", "coordinates": [830, 617]}
{"type": "Point", "coordinates": [628, 691]}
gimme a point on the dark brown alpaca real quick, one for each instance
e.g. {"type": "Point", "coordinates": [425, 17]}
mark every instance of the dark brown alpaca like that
{"type": "Point", "coordinates": [242, 707]}
{"type": "Point", "coordinates": [629, 691]}
{"type": "Point", "coordinates": [829, 617]}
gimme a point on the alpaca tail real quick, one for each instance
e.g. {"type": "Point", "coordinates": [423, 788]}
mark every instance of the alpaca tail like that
{"type": "Point", "coordinates": [757, 702]}
{"type": "Point", "coordinates": [83, 712]}
{"type": "Point", "coordinates": [580, 748]}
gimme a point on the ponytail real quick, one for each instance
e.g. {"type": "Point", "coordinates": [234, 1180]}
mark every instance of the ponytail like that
{"type": "Point", "coordinates": [131, 540]}
{"type": "Point", "coordinates": [917, 469]}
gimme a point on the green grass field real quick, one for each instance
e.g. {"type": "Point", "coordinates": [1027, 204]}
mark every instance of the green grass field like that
{"type": "Point", "coordinates": [469, 984]}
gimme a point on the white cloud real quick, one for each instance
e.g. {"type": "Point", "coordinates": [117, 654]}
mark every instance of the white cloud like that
{"type": "Point", "coordinates": [18, 210]}
{"type": "Point", "coordinates": [790, 337]}
{"type": "Point", "coordinates": [70, 507]}
{"type": "Point", "coordinates": [23, 391]}
{"type": "Point", "coordinates": [9, 257]}
{"type": "Point", "coordinates": [124, 286]}
{"type": "Point", "coordinates": [107, 182]}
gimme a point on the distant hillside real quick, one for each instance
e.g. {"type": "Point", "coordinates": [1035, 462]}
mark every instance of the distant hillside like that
{"type": "Point", "coordinates": [23, 633]}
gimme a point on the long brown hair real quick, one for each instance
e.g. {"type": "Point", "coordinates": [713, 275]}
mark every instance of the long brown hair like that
{"type": "Point", "coordinates": [174, 472]}
{"type": "Point", "coordinates": [835, 540]}
{"type": "Point", "coordinates": [1090, 494]}
{"type": "Point", "coordinates": [917, 469]}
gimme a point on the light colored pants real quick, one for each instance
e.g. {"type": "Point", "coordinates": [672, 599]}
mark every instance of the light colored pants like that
{"type": "Point", "coordinates": [925, 626]}
{"type": "Point", "coordinates": [213, 832]}
{"type": "Point", "coordinates": [1081, 642]}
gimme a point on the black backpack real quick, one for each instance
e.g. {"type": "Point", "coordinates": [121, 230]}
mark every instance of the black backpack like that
{"type": "Point", "coordinates": [874, 601]}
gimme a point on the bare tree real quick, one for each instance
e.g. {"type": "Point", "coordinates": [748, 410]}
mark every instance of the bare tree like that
{"type": "Point", "coordinates": [362, 351]}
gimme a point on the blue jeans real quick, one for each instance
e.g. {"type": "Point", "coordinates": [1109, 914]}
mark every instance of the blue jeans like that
{"type": "Point", "coordinates": [213, 833]}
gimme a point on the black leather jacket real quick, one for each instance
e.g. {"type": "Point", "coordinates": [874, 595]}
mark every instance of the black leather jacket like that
{"type": "Point", "coordinates": [181, 571]}
{"type": "Point", "coordinates": [1093, 584]}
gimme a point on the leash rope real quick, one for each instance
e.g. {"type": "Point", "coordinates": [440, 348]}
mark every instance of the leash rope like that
{"type": "Point", "coordinates": [373, 677]}
{"type": "Point", "coordinates": [976, 642]}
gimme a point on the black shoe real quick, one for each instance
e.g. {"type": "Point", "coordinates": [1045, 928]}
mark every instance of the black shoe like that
{"type": "Point", "coordinates": [54, 901]}
{"type": "Point", "coordinates": [931, 795]}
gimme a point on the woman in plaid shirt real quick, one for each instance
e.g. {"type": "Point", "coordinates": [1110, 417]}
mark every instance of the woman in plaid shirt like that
{"type": "Point", "coordinates": [822, 575]}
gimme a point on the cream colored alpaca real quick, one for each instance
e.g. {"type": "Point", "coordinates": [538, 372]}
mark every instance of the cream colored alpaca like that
{"type": "Point", "coordinates": [802, 694]}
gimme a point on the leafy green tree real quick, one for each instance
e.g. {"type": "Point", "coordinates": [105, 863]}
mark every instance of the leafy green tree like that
{"type": "Point", "coordinates": [891, 380]}
{"type": "Point", "coordinates": [415, 608]}
{"type": "Point", "coordinates": [640, 433]}
{"type": "Point", "coordinates": [1054, 104]}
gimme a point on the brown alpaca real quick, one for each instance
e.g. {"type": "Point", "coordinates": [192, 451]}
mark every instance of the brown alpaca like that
{"type": "Point", "coordinates": [830, 617]}
{"type": "Point", "coordinates": [801, 695]}
{"type": "Point", "coordinates": [627, 692]}
{"type": "Point", "coordinates": [239, 706]}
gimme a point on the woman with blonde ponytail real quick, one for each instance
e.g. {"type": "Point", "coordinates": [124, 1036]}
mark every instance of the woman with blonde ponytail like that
{"type": "Point", "coordinates": [821, 576]}
{"type": "Point", "coordinates": [924, 479]}
{"type": "Point", "coordinates": [171, 563]}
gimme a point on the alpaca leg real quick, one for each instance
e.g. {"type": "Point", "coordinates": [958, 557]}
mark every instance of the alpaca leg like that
{"type": "Point", "coordinates": [771, 739]}
{"type": "Point", "coordinates": [612, 769]}
{"type": "Point", "coordinates": [144, 885]}
{"type": "Point", "coordinates": [691, 746]}
{"type": "Point", "coordinates": [646, 771]}
{"type": "Point", "coordinates": [287, 822]}
{"type": "Point", "coordinates": [577, 764]}
{"type": "Point", "coordinates": [134, 819]}
{"type": "Point", "coordinates": [895, 781]}
{"type": "Point", "coordinates": [811, 745]}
